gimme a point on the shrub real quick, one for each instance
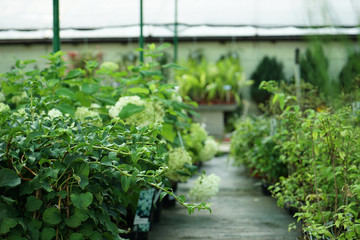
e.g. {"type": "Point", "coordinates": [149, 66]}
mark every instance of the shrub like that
{"type": "Point", "coordinates": [349, 72]}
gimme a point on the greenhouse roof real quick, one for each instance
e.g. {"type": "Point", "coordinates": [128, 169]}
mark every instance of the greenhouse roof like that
{"type": "Point", "coordinates": [32, 19]}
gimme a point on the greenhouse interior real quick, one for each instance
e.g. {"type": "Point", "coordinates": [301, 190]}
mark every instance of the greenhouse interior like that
{"type": "Point", "coordinates": [179, 119]}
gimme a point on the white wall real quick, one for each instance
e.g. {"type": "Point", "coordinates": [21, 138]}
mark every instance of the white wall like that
{"type": "Point", "coordinates": [251, 52]}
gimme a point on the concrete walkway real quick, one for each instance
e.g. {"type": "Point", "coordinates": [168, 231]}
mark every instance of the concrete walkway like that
{"type": "Point", "coordinates": [240, 211]}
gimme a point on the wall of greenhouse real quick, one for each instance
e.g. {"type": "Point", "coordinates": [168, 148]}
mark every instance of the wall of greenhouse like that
{"type": "Point", "coordinates": [250, 52]}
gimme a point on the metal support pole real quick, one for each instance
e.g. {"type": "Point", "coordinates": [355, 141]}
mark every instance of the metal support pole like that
{"type": "Point", "coordinates": [176, 33]}
{"type": "Point", "coordinates": [141, 40]}
{"type": "Point", "coordinates": [297, 75]}
{"type": "Point", "coordinates": [56, 26]}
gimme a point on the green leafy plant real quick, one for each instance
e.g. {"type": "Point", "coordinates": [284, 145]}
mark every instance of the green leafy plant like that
{"type": "Point", "coordinates": [349, 72]}
{"type": "Point", "coordinates": [256, 147]}
{"type": "Point", "coordinates": [205, 82]}
{"type": "Point", "coordinates": [268, 69]}
{"type": "Point", "coordinates": [314, 68]}
{"type": "Point", "coordinates": [321, 154]}
{"type": "Point", "coordinates": [69, 170]}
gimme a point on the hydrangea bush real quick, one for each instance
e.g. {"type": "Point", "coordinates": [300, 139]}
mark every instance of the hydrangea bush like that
{"type": "Point", "coordinates": [68, 170]}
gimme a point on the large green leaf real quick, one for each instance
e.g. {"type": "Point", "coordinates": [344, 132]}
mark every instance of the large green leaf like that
{"type": "Point", "coordinates": [66, 108]}
{"type": "Point", "coordinates": [52, 82]}
{"type": "Point", "coordinates": [107, 100]}
{"type": "Point", "coordinates": [173, 66]}
{"type": "Point", "coordinates": [95, 236]}
{"type": "Point", "coordinates": [8, 178]}
{"type": "Point", "coordinates": [83, 99]}
{"type": "Point", "coordinates": [81, 214]}
{"type": "Point", "coordinates": [65, 92]}
{"type": "Point", "coordinates": [6, 224]}
{"type": "Point", "coordinates": [52, 216]}
{"type": "Point", "coordinates": [76, 236]}
{"type": "Point", "coordinates": [74, 74]}
{"type": "Point", "coordinates": [82, 200]}
{"type": "Point", "coordinates": [147, 73]}
{"type": "Point", "coordinates": [86, 229]}
{"type": "Point", "coordinates": [7, 200]}
{"type": "Point", "coordinates": [125, 183]}
{"type": "Point", "coordinates": [90, 88]}
{"type": "Point", "coordinates": [73, 222]}
{"type": "Point", "coordinates": [129, 110]}
{"type": "Point", "coordinates": [32, 135]}
{"type": "Point", "coordinates": [8, 88]}
{"type": "Point", "coordinates": [47, 234]}
{"type": "Point", "coordinates": [33, 204]}
{"type": "Point", "coordinates": [168, 132]}
{"type": "Point", "coordinates": [34, 225]}
{"type": "Point", "coordinates": [138, 90]}
{"type": "Point", "coordinates": [82, 169]}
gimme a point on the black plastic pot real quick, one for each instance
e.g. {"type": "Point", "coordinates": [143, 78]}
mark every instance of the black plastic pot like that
{"type": "Point", "coordinates": [169, 201]}
{"type": "Point", "coordinates": [264, 189]}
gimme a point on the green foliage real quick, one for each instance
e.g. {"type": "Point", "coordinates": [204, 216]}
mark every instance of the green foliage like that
{"type": "Point", "coordinates": [268, 69]}
{"type": "Point", "coordinates": [256, 147]}
{"type": "Point", "coordinates": [283, 95]}
{"type": "Point", "coordinates": [319, 149]}
{"type": "Point", "coordinates": [205, 82]}
{"type": "Point", "coordinates": [314, 68]}
{"type": "Point", "coordinates": [60, 173]}
{"type": "Point", "coordinates": [349, 72]}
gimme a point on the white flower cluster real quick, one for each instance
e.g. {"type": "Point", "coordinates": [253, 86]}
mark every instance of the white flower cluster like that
{"type": "Point", "coordinates": [196, 137]}
{"type": "Point", "coordinates": [4, 107]}
{"type": "Point", "coordinates": [54, 113]}
{"type": "Point", "coordinates": [95, 106]}
{"type": "Point", "coordinates": [177, 158]}
{"type": "Point", "coordinates": [17, 99]}
{"type": "Point", "coordinates": [152, 114]}
{"type": "Point", "coordinates": [209, 150]}
{"type": "Point", "coordinates": [83, 113]}
{"type": "Point", "coordinates": [2, 97]}
{"type": "Point", "coordinates": [204, 188]}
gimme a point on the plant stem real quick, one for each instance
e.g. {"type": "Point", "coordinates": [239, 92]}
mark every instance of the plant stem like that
{"type": "Point", "coordinates": [315, 180]}
{"type": "Point", "coordinates": [31, 106]}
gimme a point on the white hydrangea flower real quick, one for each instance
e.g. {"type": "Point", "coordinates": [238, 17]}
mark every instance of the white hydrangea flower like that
{"type": "Point", "coordinates": [177, 158]}
{"type": "Point", "coordinates": [110, 66]}
{"type": "Point", "coordinates": [204, 188]}
{"type": "Point", "coordinates": [122, 102]}
{"type": "Point", "coordinates": [17, 99]}
{"type": "Point", "coordinates": [196, 137]}
{"type": "Point", "coordinates": [152, 114]}
{"type": "Point", "coordinates": [209, 150]}
{"type": "Point", "coordinates": [2, 97]}
{"type": "Point", "coordinates": [4, 107]}
{"type": "Point", "coordinates": [95, 105]}
{"type": "Point", "coordinates": [53, 113]}
{"type": "Point", "coordinates": [83, 113]}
